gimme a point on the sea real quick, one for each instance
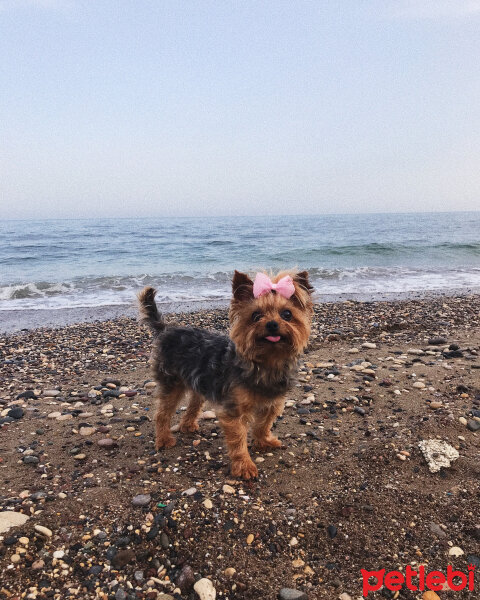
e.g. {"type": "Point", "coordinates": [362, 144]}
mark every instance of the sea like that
{"type": "Point", "coordinates": [57, 271]}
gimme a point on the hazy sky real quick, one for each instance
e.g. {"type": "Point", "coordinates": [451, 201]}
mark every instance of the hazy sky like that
{"type": "Point", "coordinates": [150, 107]}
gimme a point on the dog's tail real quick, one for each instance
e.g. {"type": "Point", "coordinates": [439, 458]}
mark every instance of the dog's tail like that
{"type": "Point", "coordinates": [148, 310]}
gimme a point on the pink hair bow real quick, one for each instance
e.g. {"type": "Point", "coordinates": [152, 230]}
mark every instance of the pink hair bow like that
{"type": "Point", "coordinates": [263, 285]}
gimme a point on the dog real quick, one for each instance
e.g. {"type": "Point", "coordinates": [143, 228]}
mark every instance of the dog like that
{"type": "Point", "coordinates": [246, 375]}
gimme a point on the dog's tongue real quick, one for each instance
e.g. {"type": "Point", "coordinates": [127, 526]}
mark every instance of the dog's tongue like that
{"type": "Point", "coordinates": [273, 338]}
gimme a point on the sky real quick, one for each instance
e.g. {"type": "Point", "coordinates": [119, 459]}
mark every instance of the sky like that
{"type": "Point", "coordinates": [152, 107]}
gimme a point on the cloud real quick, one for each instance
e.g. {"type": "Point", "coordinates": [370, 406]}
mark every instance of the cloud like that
{"type": "Point", "coordinates": [433, 9]}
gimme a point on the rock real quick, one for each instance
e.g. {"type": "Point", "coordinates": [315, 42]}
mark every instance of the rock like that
{"type": "Point", "coordinates": [369, 345]}
{"type": "Point", "coordinates": [121, 594]}
{"type": "Point", "coordinates": [359, 410]}
{"type": "Point", "coordinates": [16, 412]}
{"type": "Point", "coordinates": [205, 590]}
{"type": "Point", "coordinates": [28, 394]}
{"type": "Point", "coordinates": [228, 489]}
{"type": "Point", "coordinates": [229, 572]}
{"type": "Point", "coordinates": [207, 503]}
{"type": "Point", "coordinates": [141, 500]}
{"type": "Point", "coordinates": [31, 460]}
{"type": "Point", "coordinates": [189, 492]}
{"type": "Point", "coordinates": [150, 385]}
{"type": "Point", "coordinates": [332, 531]}
{"type": "Point", "coordinates": [344, 596]}
{"type": "Point", "coordinates": [437, 341]}
{"type": "Point", "coordinates": [208, 414]}
{"type": "Point", "coordinates": [58, 554]}
{"type": "Point", "coordinates": [473, 560]}
{"type": "Point", "coordinates": [438, 454]}
{"type": "Point", "coordinates": [291, 594]}
{"type": "Point", "coordinates": [106, 443]}
{"type": "Point", "coordinates": [419, 385]}
{"type": "Point", "coordinates": [86, 431]}
{"type": "Point", "coordinates": [38, 564]}
{"type": "Point", "coordinates": [80, 456]}
{"type": "Point", "coordinates": [473, 425]}
{"type": "Point", "coordinates": [435, 404]}
{"type": "Point", "coordinates": [430, 595]}
{"type": "Point", "coordinates": [186, 578]}
{"type": "Point", "coordinates": [51, 393]}
{"type": "Point", "coordinates": [9, 519]}
{"type": "Point", "coordinates": [463, 421]}
{"type": "Point", "coordinates": [250, 538]}
{"type": "Point", "coordinates": [54, 415]}
{"type": "Point", "coordinates": [456, 551]}
{"type": "Point", "coordinates": [123, 558]}
{"type": "Point", "coordinates": [437, 530]}
{"type": "Point", "coordinates": [43, 530]}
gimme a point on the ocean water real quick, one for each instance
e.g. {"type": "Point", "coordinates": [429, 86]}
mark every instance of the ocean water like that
{"type": "Point", "coordinates": [65, 264]}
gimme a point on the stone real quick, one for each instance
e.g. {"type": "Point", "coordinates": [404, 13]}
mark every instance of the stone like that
{"type": "Point", "coordinates": [106, 443]}
{"type": "Point", "coordinates": [437, 341]}
{"type": "Point", "coordinates": [38, 564]}
{"type": "Point", "coordinates": [435, 404]}
{"type": "Point", "coordinates": [369, 345]}
{"type": "Point", "coordinates": [250, 538]}
{"type": "Point", "coordinates": [419, 385]}
{"type": "Point", "coordinates": [9, 519]}
{"type": "Point", "coordinates": [31, 460]}
{"type": "Point", "coordinates": [86, 431]}
{"type": "Point", "coordinates": [54, 415]}
{"type": "Point", "coordinates": [43, 530]}
{"type": "Point", "coordinates": [228, 489]}
{"type": "Point", "coordinates": [122, 558]}
{"type": "Point", "coordinates": [473, 425]}
{"type": "Point", "coordinates": [51, 393]}
{"type": "Point", "coordinates": [344, 596]}
{"type": "Point", "coordinates": [291, 594]}
{"type": "Point", "coordinates": [437, 530]}
{"type": "Point", "coordinates": [205, 590]}
{"type": "Point", "coordinates": [208, 415]}
{"type": "Point", "coordinates": [207, 503]}
{"type": "Point", "coordinates": [58, 554]}
{"type": "Point", "coordinates": [430, 595]}
{"type": "Point", "coordinates": [186, 578]}
{"type": "Point", "coordinates": [229, 572]}
{"type": "Point", "coordinates": [438, 454]}
{"type": "Point", "coordinates": [141, 500]}
{"type": "Point", "coordinates": [189, 492]}
{"type": "Point", "coordinates": [16, 412]}
{"type": "Point", "coordinates": [456, 551]}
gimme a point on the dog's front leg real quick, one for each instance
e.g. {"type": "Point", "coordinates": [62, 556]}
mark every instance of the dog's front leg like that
{"type": "Point", "coordinates": [265, 416]}
{"type": "Point", "coordinates": [236, 430]}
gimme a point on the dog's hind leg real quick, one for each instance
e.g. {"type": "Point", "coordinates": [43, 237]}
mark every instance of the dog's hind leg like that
{"type": "Point", "coordinates": [189, 423]}
{"type": "Point", "coordinates": [167, 402]}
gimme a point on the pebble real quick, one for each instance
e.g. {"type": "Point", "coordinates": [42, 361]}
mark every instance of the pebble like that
{"type": "Point", "coordinates": [456, 551]}
{"type": "Point", "coordinates": [250, 538]}
{"type": "Point", "coordinates": [229, 572]}
{"type": "Point", "coordinates": [344, 596]}
{"type": "Point", "coordinates": [438, 454]}
{"type": "Point", "coordinates": [207, 503]}
{"type": "Point", "coordinates": [15, 558]}
{"type": "Point", "coordinates": [473, 425]}
{"type": "Point", "coordinates": [16, 412]}
{"type": "Point", "coordinates": [437, 341]}
{"type": "Point", "coordinates": [208, 415]}
{"type": "Point", "coordinates": [419, 385]}
{"type": "Point", "coordinates": [369, 345]}
{"type": "Point", "coordinates": [86, 431]}
{"type": "Point", "coordinates": [43, 530]}
{"type": "Point", "coordinates": [190, 491]}
{"type": "Point", "coordinates": [51, 393]}
{"type": "Point", "coordinates": [141, 500]}
{"type": "Point", "coordinates": [58, 554]}
{"type": "Point", "coordinates": [291, 594]}
{"type": "Point", "coordinates": [430, 595]}
{"type": "Point", "coordinates": [228, 489]}
{"type": "Point", "coordinates": [38, 564]}
{"type": "Point", "coordinates": [9, 519]}
{"type": "Point", "coordinates": [106, 443]}
{"type": "Point", "coordinates": [205, 590]}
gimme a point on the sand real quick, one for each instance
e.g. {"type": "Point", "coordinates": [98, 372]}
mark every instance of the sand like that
{"type": "Point", "coordinates": [111, 518]}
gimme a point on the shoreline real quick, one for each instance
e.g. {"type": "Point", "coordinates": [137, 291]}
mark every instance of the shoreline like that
{"type": "Point", "coordinates": [16, 320]}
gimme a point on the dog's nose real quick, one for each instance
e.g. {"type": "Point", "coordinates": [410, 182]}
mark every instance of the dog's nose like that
{"type": "Point", "coordinates": [272, 326]}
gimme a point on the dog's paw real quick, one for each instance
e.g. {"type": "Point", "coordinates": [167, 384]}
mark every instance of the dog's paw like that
{"type": "Point", "coordinates": [189, 427]}
{"type": "Point", "coordinates": [165, 442]}
{"type": "Point", "coordinates": [245, 469]}
{"type": "Point", "coordinates": [267, 443]}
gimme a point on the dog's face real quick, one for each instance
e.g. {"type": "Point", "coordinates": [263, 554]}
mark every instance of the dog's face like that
{"type": "Point", "coordinates": [270, 328]}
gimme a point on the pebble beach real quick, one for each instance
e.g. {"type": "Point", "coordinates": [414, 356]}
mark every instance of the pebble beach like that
{"type": "Point", "coordinates": [380, 464]}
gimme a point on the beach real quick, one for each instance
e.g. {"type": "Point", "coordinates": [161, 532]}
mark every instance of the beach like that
{"type": "Point", "coordinates": [100, 514]}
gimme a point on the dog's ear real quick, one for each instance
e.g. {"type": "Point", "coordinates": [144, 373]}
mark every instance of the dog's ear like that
{"type": "Point", "coordinates": [242, 287]}
{"type": "Point", "coordinates": [302, 280]}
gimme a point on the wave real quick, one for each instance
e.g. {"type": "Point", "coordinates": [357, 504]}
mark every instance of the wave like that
{"type": "Point", "coordinates": [215, 286]}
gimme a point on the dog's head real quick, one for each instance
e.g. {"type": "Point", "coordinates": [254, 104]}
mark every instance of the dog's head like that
{"type": "Point", "coordinates": [273, 325]}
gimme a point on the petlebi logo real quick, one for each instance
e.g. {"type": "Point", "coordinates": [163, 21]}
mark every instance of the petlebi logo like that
{"type": "Point", "coordinates": [418, 581]}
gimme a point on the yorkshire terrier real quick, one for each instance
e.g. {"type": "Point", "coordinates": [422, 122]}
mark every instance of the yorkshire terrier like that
{"type": "Point", "coordinates": [246, 375]}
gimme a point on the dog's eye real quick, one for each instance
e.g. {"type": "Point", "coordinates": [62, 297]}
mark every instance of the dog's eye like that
{"type": "Point", "coordinates": [256, 316]}
{"type": "Point", "coordinates": [286, 315]}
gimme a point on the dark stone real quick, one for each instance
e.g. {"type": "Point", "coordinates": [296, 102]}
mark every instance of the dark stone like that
{"type": "Point", "coordinates": [332, 531]}
{"type": "Point", "coordinates": [16, 412]}
{"type": "Point", "coordinates": [186, 578]}
{"type": "Point", "coordinates": [31, 460]}
{"type": "Point", "coordinates": [164, 541]}
{"type": "Point", "coordinates": [473, 425]}
{"type": "Point", "coordinates": [122, 558]}
{"type": "Point", "coordinates": [359, 410]}
{"type": "Point", "coordinates": [28, 394]}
